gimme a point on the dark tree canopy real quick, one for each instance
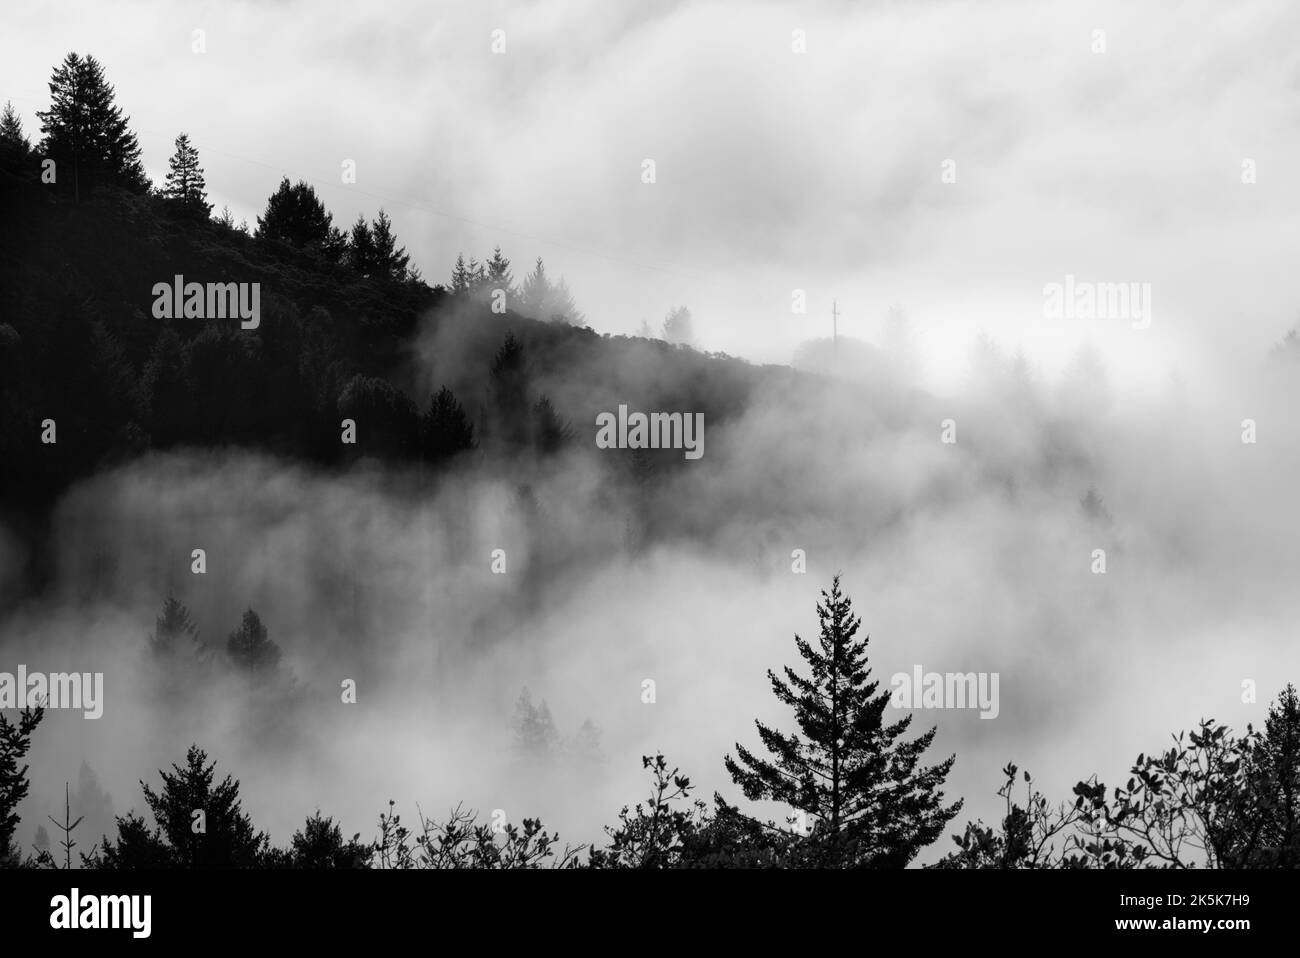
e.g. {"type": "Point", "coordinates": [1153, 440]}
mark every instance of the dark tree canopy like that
{"type": "Point", "coordinates": [15, 741]}
{"type": "Point", "coordinates": [295, 215]}
{"type": "Point", "coordinates": [85, 132]}
{"type": "Point", "coordinates": [15, 150]}
{"type": "Point", "coordinates": [223, 837]}
{"type": "Point", "coordinates": [390, 260]}
{"type": "Point", "coordinates": [445, 429]}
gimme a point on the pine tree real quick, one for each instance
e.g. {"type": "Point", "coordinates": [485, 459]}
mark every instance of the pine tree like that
{"type": "Point", "coordinates": [867, 802]}
{"type": "Point", "coordinates": [445, 429]}
{"type": "Point", "coordinates": [361, 248]}
{"type": "Point", "coordinates": [677, 326]}
{"type": "Point", "coordinates": [460, 276]}
{"type": "Point", "coordinates": [185, 183]}
{"type": "Point", "coordinates": [535, 293]}
{"type": "Point", "coordinates": [476, 278]}
{"type": "Point", "coordinates": [550, 433]}
{"type": "Point", "coordinates": [85, 132]}
{"type": "Point", "coordinates": [11, 129]}
{"type": "Point", "coordinates": [562, 308]}
{"type": "Point", "coordinates": [250, 649]}
{"type": "Point", "coordinates": [499, 275]}
{"type": "Point", "coordinates": [174, 628]}
{"type": "Point", "coordinates": [320, 844]}
{"type": "Point", "coordinates": [227, 840]}
{"type": "Point", "coordinates": [15, 740]}
{"type": "Point", "coordinates": [390, 259]}
{"type": "Point", "coordinates": [1277, 762]}
{"type": "Point", "coordinates": [509, 384]}
{"type": "Point", "coordinates": [93, 801]}
{"type": "Point", "coordinates": [534, 727]}
{"type": "Point", "coordinates": [542, 299]}
{"type": "Point", "coordinates": [15, 150]}
{"type": "Point", "coordinates": [295, 215]}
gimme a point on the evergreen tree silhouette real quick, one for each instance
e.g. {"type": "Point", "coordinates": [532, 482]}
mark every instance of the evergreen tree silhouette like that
{"type": "Point", "coordinates": [361, 248]}
{"type": "Point", "coordinates": [391, 260]}
{"type": "Point", "coordinates": [15, 150]}
{"type": "Point", "coordinates": [185, 185]}
{"type": "Point", "coordinates": [867, 801]}
{"type": "Point", "coordinates": [223, 837]}
{"type": "Point", "coordinates": [460, 276]}
{"type": "Point", "coordinates": [550, 433]}
{"type": "Point", "coordinates": [85, 132]}
{"type": "Point", "coordinates": [509, 382]}
{"type": "Point", "coordinates": [174, 631]}
{"type": "Point", "coordinates": [535, 292]}
{"type": "Point", "coordinates": [445, 429]}
{"type": "Point", "coordinates": [499, 275]}
{"type": "Point", "coordinates": [15, 741]}
{"type": "Point", "coordinates": [1277, 778]}
{"type": "Point", "coordinates": [320, 844]}
{"type": "Point", "coordinates": [250, 650]}
{"type": "Point", "coordinates": [295, 215]}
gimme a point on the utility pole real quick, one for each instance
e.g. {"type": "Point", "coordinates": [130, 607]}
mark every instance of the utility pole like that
{"type": "Point", "coordinates": [835, 326]}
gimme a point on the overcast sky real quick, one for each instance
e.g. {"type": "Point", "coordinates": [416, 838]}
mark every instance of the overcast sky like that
{"type": "Point", "coordinates": [775, 170]}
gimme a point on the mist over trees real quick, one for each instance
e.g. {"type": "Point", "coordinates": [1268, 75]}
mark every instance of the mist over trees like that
{"type": "Point", "coordinates": [382, 407]}
{"type": "Point", "coordinates": [855, 794]}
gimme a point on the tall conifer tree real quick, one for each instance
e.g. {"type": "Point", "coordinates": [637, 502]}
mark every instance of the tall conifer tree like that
{"type": "Point", "coordinates": [866, 800]}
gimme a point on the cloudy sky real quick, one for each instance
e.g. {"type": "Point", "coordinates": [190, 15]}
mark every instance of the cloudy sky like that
{"type": "Point", "coordinates": [775, 170]}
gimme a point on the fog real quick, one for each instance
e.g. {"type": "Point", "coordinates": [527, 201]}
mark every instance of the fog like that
{"type": "Point", "coordinates": [776, 172]}
{"type": "Point", "coordinates": [970, 556]}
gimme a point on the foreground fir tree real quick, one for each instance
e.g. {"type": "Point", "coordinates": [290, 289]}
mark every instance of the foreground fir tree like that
{"type": "Point", "coordinates": [1276, 779]}
{"type": "Point", "coordinates": [867, 800]}
{"type": "Point", "coordinates": [15, 740]}
{"type": "Point", "coordinates": [224, 837]}
{"type": "Point", "coordinates": [320, 844]}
